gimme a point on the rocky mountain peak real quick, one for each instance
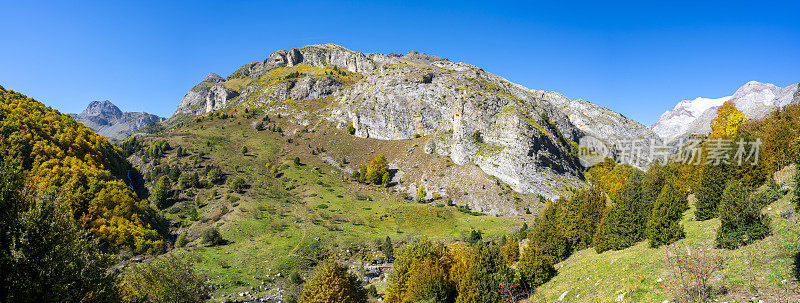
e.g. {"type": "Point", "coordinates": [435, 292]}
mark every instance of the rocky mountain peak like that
{"type": "Point", "coordinates": [213, 78]}
{"type": "Point", "coordinates": [108, 120]}
{"type": "Point", "coordinates": [755, 99]}
{"type": "Point", "coordinates": [104, 109]}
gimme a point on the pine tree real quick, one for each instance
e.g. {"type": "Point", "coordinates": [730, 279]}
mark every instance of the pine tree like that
{"type": "Point", "coordinates": [740, 217]}
{"type": "Point", "coordinates": [161, 192]}
{"type": "Point", "coordinates": [625, 222]}
{"type": "Point", "coordinates": [708, 194]}
{"type": "Point", "coordinates": [797, 178]}
{"type": "Point", "coordinates": [663, 226]}
{"type": "Point", "coordinates": [535, 267]}
{"type": "Point", "coordinates": [388, 249]}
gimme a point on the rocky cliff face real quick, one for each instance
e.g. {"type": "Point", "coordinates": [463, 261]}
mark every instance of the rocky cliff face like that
{"type": "Point", "coordinates": [526, 138]}
{"type": "Point", "coordinates": [611, 128]}
{"type": "Point", "coordinates": [108, 120]}
{"type": "Point", "coordinates": [754, 99]}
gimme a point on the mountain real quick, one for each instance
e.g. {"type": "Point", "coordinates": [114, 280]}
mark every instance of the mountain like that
{"type": "Point", "coordinates": [108, 120]}
{"type": "Point", "coordinates": [754, 99]}
{"type": "Point", "coordinates": [524, 137]}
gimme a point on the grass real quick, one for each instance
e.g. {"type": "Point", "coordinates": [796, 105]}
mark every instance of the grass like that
{"type": "Point", "coordinates": [761, 269]}
{"type": "Point", "coordinates": [289, 222]}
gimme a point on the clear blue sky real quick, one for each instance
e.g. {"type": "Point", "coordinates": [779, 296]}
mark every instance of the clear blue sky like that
{"type": "Point", "coordinates": [638, 59]}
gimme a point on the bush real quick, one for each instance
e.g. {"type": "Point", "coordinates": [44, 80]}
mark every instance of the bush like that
{"type": "Point", "coordinates": [212, 237]}
{"type": "Point", "coordinates": [740, 217]}
{"type": "Point", "coordinates": [477, 137]}
{"type": "Point", "coordinates": [535, 267]}
{"type": "Point", "coordinates": [663, 226]}
{"type": "Point", "coordinates": [237, 184]}
{"type": "Point", "coordinates": [421, 193]}
{"type": "Point", "coordinates": [351, 129]}
{"type": "Point", "coordinates": [386, 179]}
{"type": "Point", "coordinates": [182, 240]}
{"type": "Point", "coordinates": [244, 150]}
{"type": "Point", "coordinates": [331, 282]}
{"type": "Point", "coordinates": [168, 278]}
{"type": "Point", "coordinates": [691, 273]}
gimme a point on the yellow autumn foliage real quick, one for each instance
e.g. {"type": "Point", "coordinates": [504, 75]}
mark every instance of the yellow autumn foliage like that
{"type": "Point", "coordinates": [59, 154]}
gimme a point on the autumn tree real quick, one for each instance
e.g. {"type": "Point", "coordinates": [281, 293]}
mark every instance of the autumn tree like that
{"type": "Point", "coordinates": [727, 122]}
{"type": "Point", "coordinates": [535, 266]}
{"type": "Point", "coordinates": [331, 282]}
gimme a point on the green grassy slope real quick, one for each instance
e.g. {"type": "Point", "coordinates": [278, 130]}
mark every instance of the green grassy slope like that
{"type": "Point", "coordinates": [286, 223]}
{"type": "Point", "coordinates": [641, 273]}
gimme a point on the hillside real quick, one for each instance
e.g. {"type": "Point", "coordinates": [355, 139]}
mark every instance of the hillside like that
{"type": "Point", "coordinates": [66, 159]}
{"type": "Point", "coordinates": [288, 217]}
{"type": "Point", "coordinates": [109, 121]}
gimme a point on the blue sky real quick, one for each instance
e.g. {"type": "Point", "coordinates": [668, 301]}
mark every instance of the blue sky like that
{"type": "Point", "coordinates": [637, 59]}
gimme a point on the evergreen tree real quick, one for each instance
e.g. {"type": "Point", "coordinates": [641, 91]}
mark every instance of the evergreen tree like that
{"type": "Point", "coordinates": [535, 267]}
{"type": "Point", "coordinates": [161, 192]}
{"type": "Point", "coordinates": [797, 177]}
{"type": "Point", "coordinates": [488, 268]}
{"type": "Point", "coordinates": [708, 194]}
{"type": "Point", "coordinates": [663, 226]}
{"type": "Point", "coordinates": [625, 222]}
{"type": "Point", "coordinates": [740, 217]}
{"type": "Point", "coordinates": [388, 249]}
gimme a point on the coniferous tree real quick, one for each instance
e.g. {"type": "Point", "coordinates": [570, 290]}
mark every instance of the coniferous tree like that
{"type": "Point", "coordinates": [625, 222]}
{"type": "Point", "coordinates": [161, 192]}
{"type": "Point", "coordinates": [535, 266]}
{"type": "Point", "coordinates": [710, 191]}
{"type": "Point", "coordinates": [388, 249]}
{"type": "Point", "coordinates": [741, 219]}
{"type": "Point", "coordinates": [663, 226]}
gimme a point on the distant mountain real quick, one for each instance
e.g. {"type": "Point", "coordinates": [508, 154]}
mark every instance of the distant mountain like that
{"type": "Point", "coordinates": [108, 120]}
{"type": "Point", "coordinates": [754, 99]}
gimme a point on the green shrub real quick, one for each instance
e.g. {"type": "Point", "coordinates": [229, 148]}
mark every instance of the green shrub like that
{"type": "Point", "coordinates": [663, 226]}
{"type": "Point", "coordinates": [212, 237]}
{"type": "Point", "coordinates": [182, 240]}
{"type": "Point", "coordinates": [351, 129]}
{"type": "Point", "coordinates": [740, 217]}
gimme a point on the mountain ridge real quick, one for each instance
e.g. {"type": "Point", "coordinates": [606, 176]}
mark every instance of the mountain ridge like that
{"type": "Point", "coordinates": [754, 99]}
{"type": "Point", "coordinates": [516, 134]}
{"type": "Point", "coordinates": [108, 120]}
